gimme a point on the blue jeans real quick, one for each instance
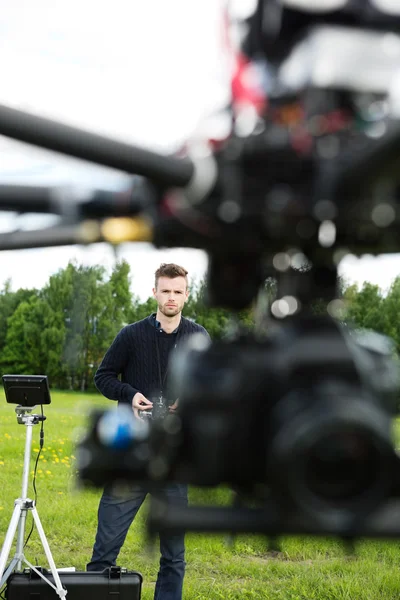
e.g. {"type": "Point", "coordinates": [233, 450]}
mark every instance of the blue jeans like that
{"type": "Point", "coordinates": [116, 513]}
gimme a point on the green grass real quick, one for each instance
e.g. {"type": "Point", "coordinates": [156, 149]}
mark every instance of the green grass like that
{"type": "Point", "coordinates": [305, 569]}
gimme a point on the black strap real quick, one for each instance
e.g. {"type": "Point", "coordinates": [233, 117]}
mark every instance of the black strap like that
{"type": "Point", "coordinates": [160, 377]}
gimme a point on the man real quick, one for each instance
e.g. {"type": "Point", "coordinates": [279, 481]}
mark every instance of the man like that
{"type": "Point", "coordinates": [139, 354]}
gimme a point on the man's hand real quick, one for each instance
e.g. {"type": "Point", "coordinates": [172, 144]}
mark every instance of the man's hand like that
{"type": "Point", "coordinates": [140, 402]}
{"type": "Point", "coordinates": [174, 406]}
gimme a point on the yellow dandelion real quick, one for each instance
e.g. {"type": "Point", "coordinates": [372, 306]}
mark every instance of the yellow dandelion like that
{"type": "Point", "coordinates": [1, 462]}
{"type": "Point", "coordinates": [60, 493]}
{"type": "Point", "coordinates": [48, 472]}
{"type": "Point", "coordinates": [72, 456]}
{"type": "Point", "coordinates": [57, 460]}
{"type": "Point", "coordinates": [36, 449]}
{"type": "Point", "coordinates": [40, 471]}
{"type": "Point", "coordinates": [1, 507]}
{"type": "Point", "coordinates": [44, 460]}
{"type": "Point", "coordinates": [60, 449]}
{"type": "Point", "coordinates": [44, 449]}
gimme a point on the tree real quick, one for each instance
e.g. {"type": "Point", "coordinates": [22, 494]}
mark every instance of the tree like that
{"type": "Point", "coordinates": [86, 312]}
{"type": "Point", "coordinates": [58, 295]}
{"type": "Point", "coordinates": [388, 319]}
{"type": "Point", "coordinates": [9, 301]}
{"type": "Point", "coordinates": [214, 320]}
{"type": "Point", "coordinates": [25, 351]}
{"type": "Point", "coordinates": [366, 307]}
{"type": "Point", "coordinates": [121, 295]}
{"type": "Point", "coordinates": [140, 310]}
{"type": "Point", "coordinates": [89, 325]}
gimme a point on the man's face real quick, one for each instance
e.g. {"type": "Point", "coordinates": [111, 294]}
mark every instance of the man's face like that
{"type": "Point", "coordinates": [171, 295]}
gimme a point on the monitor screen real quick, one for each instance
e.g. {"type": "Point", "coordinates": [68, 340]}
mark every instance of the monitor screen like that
{"type": "Point", "coordinates": [27, 390]}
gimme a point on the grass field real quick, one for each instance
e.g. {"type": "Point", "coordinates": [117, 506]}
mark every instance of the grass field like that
{"type": "Point", "coordinates": [305, 569]}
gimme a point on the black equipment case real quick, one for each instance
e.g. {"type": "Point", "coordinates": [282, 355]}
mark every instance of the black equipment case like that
{"type": "Point", "coordinates": [113, 583]}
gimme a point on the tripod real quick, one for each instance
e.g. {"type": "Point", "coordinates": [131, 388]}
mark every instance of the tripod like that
{"type": "Point", "coordinates": [18, 519]}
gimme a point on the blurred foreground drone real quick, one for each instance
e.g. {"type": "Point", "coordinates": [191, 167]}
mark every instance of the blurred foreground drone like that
{"type": "Point", "coordinates": [309, 170]}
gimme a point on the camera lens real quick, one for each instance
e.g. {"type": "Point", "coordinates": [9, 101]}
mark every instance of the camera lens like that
{"type": "Point", "coordinates": [342, 466]}
{"type": "Point", "coordinates": [332, 458]}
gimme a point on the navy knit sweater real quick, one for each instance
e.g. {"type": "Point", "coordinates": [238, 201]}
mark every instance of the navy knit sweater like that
{"type": "Point", "coordinates": [133, 356]}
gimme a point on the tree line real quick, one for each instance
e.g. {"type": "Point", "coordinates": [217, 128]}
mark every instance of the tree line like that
{"type": "Point", "coordinates": [64, 329]}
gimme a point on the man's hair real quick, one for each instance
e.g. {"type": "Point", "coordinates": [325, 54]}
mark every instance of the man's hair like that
{"type": "Point", "coordinates": [170, 270]}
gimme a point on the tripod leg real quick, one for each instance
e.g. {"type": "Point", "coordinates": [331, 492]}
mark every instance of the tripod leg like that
{"type": "Point", "coordinates": [5, 551]}
{"type": "Point", "coordinates": [10, 569]}
{"type": "Point", "coordinates": [59, 588]}
{"type": "Point", "coordinates": [20, 536]}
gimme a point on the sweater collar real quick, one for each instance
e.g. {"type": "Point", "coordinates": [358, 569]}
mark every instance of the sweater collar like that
{"type": "Point", "coordinates": [155, 323]}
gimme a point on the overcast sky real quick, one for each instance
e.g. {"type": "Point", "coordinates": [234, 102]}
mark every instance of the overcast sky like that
{"type": "Point", "coordinates": [146, 72]}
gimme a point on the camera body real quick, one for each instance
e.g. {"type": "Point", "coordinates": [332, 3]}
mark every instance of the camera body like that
{"type": "Point", "coordinates": [305, 415]}
{"type": "Point", "coordinates": [158, 411]}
